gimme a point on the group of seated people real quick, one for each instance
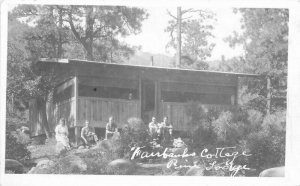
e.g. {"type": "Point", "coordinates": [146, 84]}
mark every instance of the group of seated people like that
{"type": "Point", "coordinates": [161, 131]}
{"type": "Point", "coordinates": [89, 137]}
{"type": "Point", "coordinates": [158, 131]}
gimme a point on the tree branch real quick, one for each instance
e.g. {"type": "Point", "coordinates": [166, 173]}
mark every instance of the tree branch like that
{"type": "Point", "coordinates": [186, 11]}
{"type": "Point", "coordinates": [78, 37]}
{"type": "Point", "coordinates": [171, 14]}
{"type": "Point", "coordinates": [186, 18]}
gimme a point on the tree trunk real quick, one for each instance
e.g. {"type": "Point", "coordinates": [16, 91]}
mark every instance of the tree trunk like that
{"type": "Point", "coordinates": [89, 29]}
{"type": "Point", "coordinates": [178, 37]}
{"type": "Point", "coordinates": [59, 48]}
{"type": "Point", "coordinates": [89, 52]}
{"type": "Point", "coordinates": [41, 105]}
{"type": "Point", "coordinates": [268, 95]}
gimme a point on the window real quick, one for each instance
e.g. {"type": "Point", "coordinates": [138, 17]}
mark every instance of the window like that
{"type": "Point", "coordinates": [107, 92]}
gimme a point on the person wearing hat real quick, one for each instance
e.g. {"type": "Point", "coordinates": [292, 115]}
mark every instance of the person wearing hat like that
{"type": "Point", "coordinates": [88, 135]}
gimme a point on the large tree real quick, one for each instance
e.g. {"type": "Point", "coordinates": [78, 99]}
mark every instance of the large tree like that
{"type": "Point", "coordinates": [265, 40]}
{"type": "Point", "coordinates": [16, 63]}
{"type": "Point", "coordinates": [97, 28]}
{"type": "Point", "coordinates": [54, 31]}
{"type": "Point", "coordinates": [43, 38]}
{"type": "Point", "coordinates": [196, 32]}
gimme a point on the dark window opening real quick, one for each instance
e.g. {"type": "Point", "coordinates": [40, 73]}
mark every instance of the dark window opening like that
{"type": "Point", "coordinates": [183, 97]}
{"type": "Point", "coordinates": [108, 92]}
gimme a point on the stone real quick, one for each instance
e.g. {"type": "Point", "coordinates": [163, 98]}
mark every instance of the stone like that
{"type": "Point", "coordinates": [74, 162]}
{"type": "Point", "coordinates": [45, 163]}
{"type": "Point", "coordinates": [81, 147]}
{"type": "Point", "coordinates": [194, 171]}
{"type": "Point", "coordinates": [125, 166]}
{"type": "Point", "coordinates": [25, 129]}
{"type": "Point", "coordinates": [40, 159]}
{"type": "Point", "coordinates": [42, 167]}
{"type": "Point", "coordinates": [105, 145]}
{"type": "Point", "coordinates": [14, 165]}
{"type": "Point", "coordinates": [60, 148]}
{"type": "Point", "coordinates": [273, 172]}
{"type": "Point", "coordinates": [176, 173]}
{"type": "Point", "coordinates": [178, 143]}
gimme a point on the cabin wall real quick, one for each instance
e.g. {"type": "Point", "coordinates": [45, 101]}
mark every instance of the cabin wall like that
{"type": "Point", "coordinates": [64, 109]}
{"type": "Point", "coordinates": [61, 106]}
{"type": "Point", "coordinates": [98, 110]}
{"type": "Point", "coordinates": [179, 114]}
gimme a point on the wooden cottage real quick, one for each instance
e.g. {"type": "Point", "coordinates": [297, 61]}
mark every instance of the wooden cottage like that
{"type": "Point", "coordinates": [93, 91]}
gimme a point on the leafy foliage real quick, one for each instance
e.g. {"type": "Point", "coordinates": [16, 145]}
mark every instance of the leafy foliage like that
{"type": "Point", "coordinates": [265, 40]}
{"type": "Point", "coordinates": [196, 31]}
{"type": "Point", "coordinates": [262, 136]}
{"type": "Point", "coordinates": [52, 31]}
{"type": "Point", "coordinates": [133, 134]}
{"type": "Point", "coordinates": [267, 145]}
{"type": "Point", "coordinates": [200, 125]}
{"type": "Point", "coordinates": [15, 148]}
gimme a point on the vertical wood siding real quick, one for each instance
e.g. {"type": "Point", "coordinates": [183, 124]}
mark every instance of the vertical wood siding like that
{"type": "Point", "coordinates": [179, 114]}
{"type": "Point", "coordinates": [98, 110]}
{"type": "Point", "coordinates": [65, 109]}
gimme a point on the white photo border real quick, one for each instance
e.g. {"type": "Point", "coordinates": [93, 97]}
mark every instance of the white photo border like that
{"type": "Point", "coordinates": [293, 102]}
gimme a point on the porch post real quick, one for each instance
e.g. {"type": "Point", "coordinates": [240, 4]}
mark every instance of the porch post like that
{"type": "Point", "coordinates": [140, 98]}
{"type": "Point", "coordinates": [236, 96]}
{"type": "Point", "coordinates": [77, 129]}
{"type": "Point", "coordinates": [157, 100]}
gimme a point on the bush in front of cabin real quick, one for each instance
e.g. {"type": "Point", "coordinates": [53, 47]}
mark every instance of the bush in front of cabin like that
{"type": "Point", "coordinates": [250, 130]}
{"type": "Point", "coordinates": [200, 125]}
{"type": "Point", "coordinates": [267, 145]}
{"type": "Point", "coordinates": [228, 130]}
{"type": "Point", "coordinates": [134, 134]}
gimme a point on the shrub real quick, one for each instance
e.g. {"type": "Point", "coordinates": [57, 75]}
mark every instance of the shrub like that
{"type": "Point", "coordinates": [267, 145]}
{"type": "Point", "coordinates": [15, 149]}
{"type": "Point", "coordinates": [21, 137]}
{"type": "Point", "coordinates": [228, 131]}
{"type": "Point", "coordinates": [134, 133]}
{"type": "Point", "coordinates": [16, 141]}
{"type": "Point", "coordinates": [200, 127]}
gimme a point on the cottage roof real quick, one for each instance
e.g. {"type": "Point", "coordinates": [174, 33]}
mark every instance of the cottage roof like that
{"type": "Point", "coordinates": [140, 67]}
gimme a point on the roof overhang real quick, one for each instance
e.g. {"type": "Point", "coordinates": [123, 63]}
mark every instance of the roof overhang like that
{"type": "Point", "coordinates": [112, 65]}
